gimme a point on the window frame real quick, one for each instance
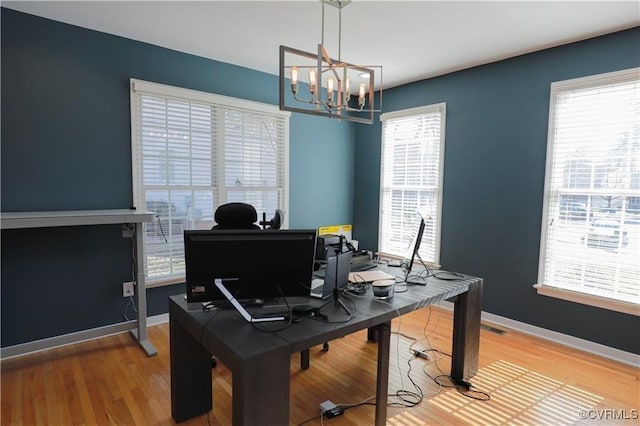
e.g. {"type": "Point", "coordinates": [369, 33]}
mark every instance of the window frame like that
{"type": "Point", "coordinates": [220, 102]}
{"type": "Point", "coordinates": [440, 108]}
{"type": "Point", "coordinates": [557, 89]}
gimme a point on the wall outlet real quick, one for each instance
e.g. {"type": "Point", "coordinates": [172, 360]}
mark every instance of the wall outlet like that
{"type": "Point", "coordinates": [127, 230]}
{"type": "Point", "coordinates": [127, 288]}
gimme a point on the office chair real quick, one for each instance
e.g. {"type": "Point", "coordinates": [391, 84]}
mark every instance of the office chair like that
{"type": "Point", "coordinates": [236, 216]}
{"type": "Point", "coordinates": [275, 222]}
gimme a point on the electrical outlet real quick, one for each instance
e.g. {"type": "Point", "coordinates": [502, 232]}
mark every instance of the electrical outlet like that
{"type": "Point", "coordinates": [127, 230]}
{"type": "Point", "coordinates": [127, 288]}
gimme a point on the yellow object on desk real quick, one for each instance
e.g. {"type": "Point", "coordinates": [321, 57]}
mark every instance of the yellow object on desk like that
{"type": "Point", "coordinates": [345, 230]}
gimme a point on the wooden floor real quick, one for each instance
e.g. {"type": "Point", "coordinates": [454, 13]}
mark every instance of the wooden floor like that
{"type": "Point", "coordinates": [530, 381]}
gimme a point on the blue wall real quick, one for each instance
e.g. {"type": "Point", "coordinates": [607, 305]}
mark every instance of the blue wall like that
{"type": "Point", "coordinates": [66, 145]}
{"type": "Point", "coordinates": [496, 137]}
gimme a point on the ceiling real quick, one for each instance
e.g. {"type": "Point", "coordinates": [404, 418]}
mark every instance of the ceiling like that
{"type": "Point", "coordinates": [412, 40]}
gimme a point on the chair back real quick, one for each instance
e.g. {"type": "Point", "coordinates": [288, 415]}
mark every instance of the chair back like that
{"type": "Point", "coordinates": [236, 216]}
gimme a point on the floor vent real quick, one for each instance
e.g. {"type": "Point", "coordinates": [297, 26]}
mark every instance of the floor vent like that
{"type": "Point", "coordinates": [492, 329]}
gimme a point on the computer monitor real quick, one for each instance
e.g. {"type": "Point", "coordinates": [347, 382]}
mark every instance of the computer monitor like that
{"type": "Point", "coordinates": [254, 264]}
{"type": "Point", "coordinates": [414, 250]}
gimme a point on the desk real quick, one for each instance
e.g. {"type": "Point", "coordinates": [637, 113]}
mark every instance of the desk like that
{"type": "Point", "coordinates": [260, 362]}
{"type": "Point", "coordinates": [45, 219]}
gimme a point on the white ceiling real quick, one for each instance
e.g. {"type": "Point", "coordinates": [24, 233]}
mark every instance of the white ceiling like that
{"type": "Point", "coordinates": [412, 40]}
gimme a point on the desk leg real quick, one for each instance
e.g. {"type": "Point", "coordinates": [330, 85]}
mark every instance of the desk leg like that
{"type": "Point", "coordinates": [466, 333]}
{"type": "Point", "coordinates": [371, 335]}
{"type": "Point", "coordinates": [383, 335]}
{"type": "Point", "coordinates": [304, 359]}
{"type": "Point", "coordinates": [191, 393]}
{"type": "Point", "coordinates": [140, 333]}
{"type": "Point", "coordinates": [261, 389]}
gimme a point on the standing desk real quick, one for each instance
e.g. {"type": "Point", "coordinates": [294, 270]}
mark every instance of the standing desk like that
{"type": "Point", "coordinates": [260, 362]}
{"type": "Point", "coordinates": [46, 219]}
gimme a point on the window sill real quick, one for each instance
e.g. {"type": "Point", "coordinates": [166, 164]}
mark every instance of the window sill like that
{"type": "Point", "coordinates": [589, 299]}
{"type": "Point", "coordinates": [165, 282]}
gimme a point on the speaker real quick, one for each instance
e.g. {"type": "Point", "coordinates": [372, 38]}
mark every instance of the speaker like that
{"type": "Point", "coordinates": [383, 289]}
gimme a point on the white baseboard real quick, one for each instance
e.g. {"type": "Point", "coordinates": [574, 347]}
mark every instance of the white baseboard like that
{"type": "Point", "coordinates": [77, 337]}
{"type": "Point", "coordinates": [563, 339]}
{"type": "Point", "coordinates": [157, 319]}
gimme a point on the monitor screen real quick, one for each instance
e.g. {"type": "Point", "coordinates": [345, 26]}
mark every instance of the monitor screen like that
{"type": "Point", "coordinates": [255, 264]}
{"type": "Point", "coordinates": [415, 247]}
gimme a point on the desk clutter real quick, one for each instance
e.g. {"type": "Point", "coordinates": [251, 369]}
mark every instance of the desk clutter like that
{"type": "Point", "coordinates": [253, 269]}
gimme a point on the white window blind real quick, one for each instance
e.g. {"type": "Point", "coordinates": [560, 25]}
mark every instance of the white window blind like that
{"type": "Point", "coordinates": [193, 151]}
{"type": "Point", "coordinates": [411, 180]}
{"type": "Point", "coordinates": [590, 240]}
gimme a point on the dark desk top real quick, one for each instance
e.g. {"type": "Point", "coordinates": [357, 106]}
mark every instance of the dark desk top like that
{"type": "Point", "coordinates": [226, 334]}
{"type": "Point", "coordinates": [371, 312]}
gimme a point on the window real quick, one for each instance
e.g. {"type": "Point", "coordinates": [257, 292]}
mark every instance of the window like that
{"type": "Point", "coordinates": [411, 181]}
{"type": "Point", "coordinates": [192, 151]}
{"type": "Point", "coordinates": [590, 240]}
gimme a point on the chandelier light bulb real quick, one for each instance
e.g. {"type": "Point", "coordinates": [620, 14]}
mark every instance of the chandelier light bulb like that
{"type": "Point", "coordinates": [330, 89]}
{"type": "Point", "coordinates": [347, 85]}
{"type": "Point", "coordinates": [294, 80]}
{"type": "Point", "coordinates": [312, 81]}
{"type": "Point", "coordinates": [361, 99]}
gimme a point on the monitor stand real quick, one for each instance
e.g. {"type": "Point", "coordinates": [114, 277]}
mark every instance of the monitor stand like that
{"type": "Point", "coordinates": [246, 315]}
{"type": "Point", "coordinates": [338, 301]}
{"type": "Point", "coordinates": [336, 286]}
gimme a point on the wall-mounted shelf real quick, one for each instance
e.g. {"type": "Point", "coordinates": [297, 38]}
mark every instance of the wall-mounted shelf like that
{"type": "Point", "coordinates": [48, 219]}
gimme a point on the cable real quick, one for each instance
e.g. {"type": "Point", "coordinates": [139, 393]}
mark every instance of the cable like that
{"type": "Point", "coordinates": [473, 393]}
{"type": "Point", "coordinates": [132, 302]}
{"type": "Point", "coordinates": [464, 388]}
{"type": "Point", "coordinates": [289, 321]}
{"type": "Point", "coordinates": [407, 398]}
{"type": "Point", "coordinates": [441, 275]}
{"type": "Point", "coordinates": [357, 404]}
{"type": "Point", "coordinates": [310, 420]}
{"type": "Point", "coordinates": [126, 308]}
{"type": "Point", "coordinates": [406, 336]}
{"type": "Point", "coordinates": [323, 318]}
{"type": "Point", "coordinates": [164, 236]}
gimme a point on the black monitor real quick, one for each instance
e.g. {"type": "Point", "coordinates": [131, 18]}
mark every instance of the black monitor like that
{"type": "Point", "coordinates": [414, 250]}
{"type": "Point", "coordinates": [254, 264]}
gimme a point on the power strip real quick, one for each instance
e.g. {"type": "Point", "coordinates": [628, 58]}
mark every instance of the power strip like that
{"type": "Point", "coordinates": [420, 354]}
{"type": "Point", "coordinates": [330, 409]}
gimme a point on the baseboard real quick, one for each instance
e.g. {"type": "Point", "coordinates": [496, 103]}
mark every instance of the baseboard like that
{"type": "Point", "coordinates": [554, 336]}
{"type": "Point", "coordinates": [157, 320]}
{"type": "Point", "coordinates": [77, 337]}
{"type": "Point", "coordinates": [563, 339]}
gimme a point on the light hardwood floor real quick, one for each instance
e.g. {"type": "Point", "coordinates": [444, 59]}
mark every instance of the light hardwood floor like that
{"type": "Point", "coordinates": [530, 381]}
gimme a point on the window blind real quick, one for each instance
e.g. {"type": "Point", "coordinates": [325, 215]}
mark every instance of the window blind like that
{"type": "Point", "coordinates": [590, 240]}
{"type": "Point", "coordinates": [193, 151]}
{"type": "Point", "coordinates": [411, 180]}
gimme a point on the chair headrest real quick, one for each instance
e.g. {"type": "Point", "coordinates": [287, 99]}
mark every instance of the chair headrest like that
{"type": "Point", "coordinates": [236, 216]}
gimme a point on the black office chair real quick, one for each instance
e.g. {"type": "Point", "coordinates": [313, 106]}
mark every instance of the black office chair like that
{"type": "Point", "coordinates": [236, 216]}
{"type": "Point", "coordinates": [244, 216]}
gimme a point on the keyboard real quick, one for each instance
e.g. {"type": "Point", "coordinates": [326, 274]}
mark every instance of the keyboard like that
{"type": "Point", "coordinates": [364, 266]}
{"type": "Point", "coordinates": [354, 268]}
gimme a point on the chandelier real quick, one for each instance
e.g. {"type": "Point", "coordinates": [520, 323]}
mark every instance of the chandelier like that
{"type": "Point", "coordinates": [315, 83]}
